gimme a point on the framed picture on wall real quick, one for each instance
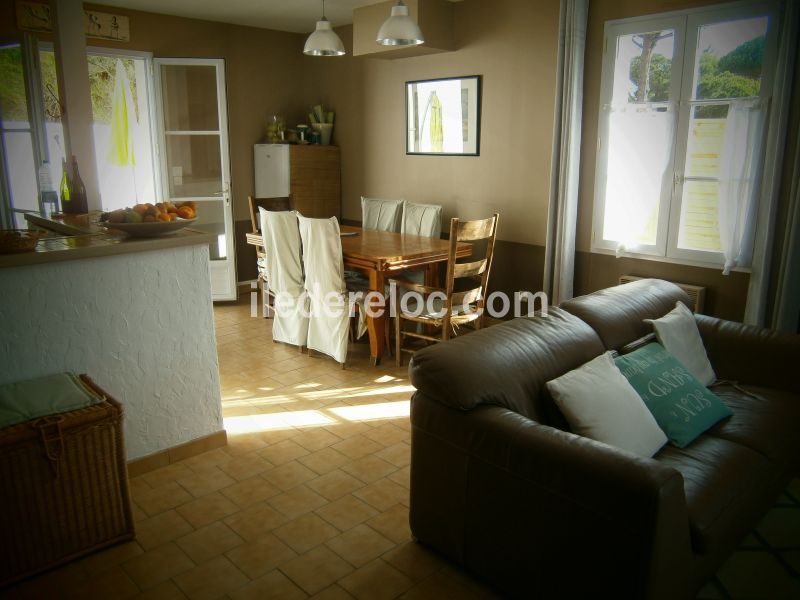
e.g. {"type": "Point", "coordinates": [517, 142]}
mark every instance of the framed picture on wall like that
{"type": "Point", "coordinates": [443, 116]}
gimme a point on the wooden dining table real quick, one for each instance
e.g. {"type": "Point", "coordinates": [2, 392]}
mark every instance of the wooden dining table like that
{"type": "Point", "coordinates": [380, 255]}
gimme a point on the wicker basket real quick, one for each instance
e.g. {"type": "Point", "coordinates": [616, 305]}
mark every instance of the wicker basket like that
{"type": "Point", "coordinates": [64, 490]}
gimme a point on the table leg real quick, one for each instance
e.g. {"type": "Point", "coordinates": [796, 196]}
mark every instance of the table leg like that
{"type": "Point", "coordinates": [376, 324]}
{"type": "Point", "coordinates": [432, 274]}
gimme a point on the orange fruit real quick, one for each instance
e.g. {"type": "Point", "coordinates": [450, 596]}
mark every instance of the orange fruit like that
{"type": "Point", "coordinates": [140, 208]}
{"type": "Point", "coordinates": [163, 217]}
{"type": "Point", "coordinates": [186, 212]}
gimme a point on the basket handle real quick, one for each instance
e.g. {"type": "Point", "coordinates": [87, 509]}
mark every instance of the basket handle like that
{"type": "Point", "coordinates": [52, 439]}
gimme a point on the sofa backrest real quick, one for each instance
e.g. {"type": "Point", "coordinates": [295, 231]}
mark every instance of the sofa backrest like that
{"type": "Point", "coordinates": [507, 365]}
{"type": "Point", "coordinates": [617, 313]}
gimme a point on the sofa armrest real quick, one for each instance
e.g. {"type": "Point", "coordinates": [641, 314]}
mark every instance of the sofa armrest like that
{"type": "Point", "coordinates": [751, 355]}
{"type": "Point", "coordinates": [490, 487]}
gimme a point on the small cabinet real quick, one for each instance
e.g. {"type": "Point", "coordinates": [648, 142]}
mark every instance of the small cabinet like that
{"type": "Point", "coordinates": [315, 180]}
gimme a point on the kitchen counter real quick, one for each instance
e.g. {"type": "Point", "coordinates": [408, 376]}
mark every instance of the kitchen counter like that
{"type": "Point", "coordinates": [80, 236]}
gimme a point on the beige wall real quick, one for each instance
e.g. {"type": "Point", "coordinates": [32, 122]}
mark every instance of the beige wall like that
{"type": "Point", "coordinates": [513, 45]}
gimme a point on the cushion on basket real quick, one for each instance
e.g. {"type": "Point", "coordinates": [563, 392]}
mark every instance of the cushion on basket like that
{"type": "Point", "coordinates": [49, 395]}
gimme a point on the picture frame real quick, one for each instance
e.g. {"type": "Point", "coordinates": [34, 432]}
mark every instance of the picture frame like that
{"type": "Point", "coordinates": [443, 116]}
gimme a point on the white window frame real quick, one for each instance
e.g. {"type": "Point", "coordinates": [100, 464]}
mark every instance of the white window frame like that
{"type": "Point", "coordinates": [685, 24]}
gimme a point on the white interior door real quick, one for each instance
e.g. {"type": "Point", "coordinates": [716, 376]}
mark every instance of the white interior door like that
{"type": "Point", "coordinates": [194, 158]}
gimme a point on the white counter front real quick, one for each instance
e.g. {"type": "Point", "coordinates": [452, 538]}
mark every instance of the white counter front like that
{"type": "Point", "coordinates": [140, 324]}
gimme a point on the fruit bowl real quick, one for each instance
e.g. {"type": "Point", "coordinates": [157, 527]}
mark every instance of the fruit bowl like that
{"type": "Point", "coordinates": [153, 229]}
{"type": "Point", "coordinates": [13, 241]}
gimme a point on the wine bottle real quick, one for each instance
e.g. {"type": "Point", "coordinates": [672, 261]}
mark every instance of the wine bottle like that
{"type": "Point", "coordinates": [47, 192]}
{"type": "Point", "coordinates": [77, 201]}
{"type": "Point", "coordinates": [63, 187]}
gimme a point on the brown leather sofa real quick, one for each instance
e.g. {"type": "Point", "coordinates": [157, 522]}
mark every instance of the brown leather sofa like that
{"type": "Point", "coordinates": [501, 486]}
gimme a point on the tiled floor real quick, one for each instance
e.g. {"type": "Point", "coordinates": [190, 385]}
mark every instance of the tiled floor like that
{"type": "Point", "coordinates": [310, 497]}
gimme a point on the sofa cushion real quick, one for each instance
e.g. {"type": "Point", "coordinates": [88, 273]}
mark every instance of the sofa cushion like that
{"type": "Point", "coordinates": [617, 314]}
{"type": "Point", "coordinates": [764, 420]}
{"type": "Point", "coordinates": [507, 364]}
{"type": "Point", "coordinates": [723, 482]}
{"type": "Point", "coordinates": [600, 404]}
{"type": "Point", "coordinates": [683, 407]}
{"type": "Point", "coordinates": [677, 332]}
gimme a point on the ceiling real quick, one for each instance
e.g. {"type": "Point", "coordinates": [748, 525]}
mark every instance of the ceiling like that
{"type": "Point", "coordinates": [299, 16]}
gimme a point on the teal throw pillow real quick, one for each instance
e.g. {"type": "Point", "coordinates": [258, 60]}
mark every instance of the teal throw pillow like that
{"type": "Point", "coordinates": [681, 405]}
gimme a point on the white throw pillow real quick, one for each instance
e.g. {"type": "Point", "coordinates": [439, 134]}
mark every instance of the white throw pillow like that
{"type": "Point", "coordinates": [599, 403]}
{"type": "Point", "coordinates": [677, 332]}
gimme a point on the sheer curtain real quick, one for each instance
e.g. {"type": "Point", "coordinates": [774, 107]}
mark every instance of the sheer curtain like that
{"type": "Point", "coordinates": [739, 175]}
{"type": "Point", "coordinates": [639, 151]}
{"type": "Point", "coordinates": [559, 267]}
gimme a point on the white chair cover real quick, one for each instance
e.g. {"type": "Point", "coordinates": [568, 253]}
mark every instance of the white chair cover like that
{"type": "Point", "coordinates": [422, 219]}
{"type": "Point", "coordinates": [383, 215]}
{"type": "Point", "coordinates": [285, 276]}
{"type": "Point", "coordinates": [330, 313]}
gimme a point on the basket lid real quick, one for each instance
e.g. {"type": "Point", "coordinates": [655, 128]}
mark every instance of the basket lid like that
{"type": "Point", "coordinates": [49, 395]}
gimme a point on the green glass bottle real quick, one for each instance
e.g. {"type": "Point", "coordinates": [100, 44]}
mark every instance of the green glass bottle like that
{"type": "Point", "coordinates": [63, 188]}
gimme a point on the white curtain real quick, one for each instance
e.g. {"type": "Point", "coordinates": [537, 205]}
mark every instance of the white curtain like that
{"type": "Point", "coordinates": [640, 144]}
{"type": "Point", "coordinates": [559, 268]}
{"type": "Point", "coordinates": [739, 175]}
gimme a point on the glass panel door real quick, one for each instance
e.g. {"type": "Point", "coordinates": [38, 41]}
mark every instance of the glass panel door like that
{"type": "Point", "coordinates": [195, 164]}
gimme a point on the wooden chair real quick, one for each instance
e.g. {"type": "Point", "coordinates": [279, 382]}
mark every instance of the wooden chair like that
{"type": "Point", "coordinates": [271, 204]}
{"type": "Point", "coordinates": [462, 307]}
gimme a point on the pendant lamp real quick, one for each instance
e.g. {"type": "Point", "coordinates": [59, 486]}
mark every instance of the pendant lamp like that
{"type": "Point", "coordinates": [400, 29]}
{"type": "Point", "coordinates": [324, 41]}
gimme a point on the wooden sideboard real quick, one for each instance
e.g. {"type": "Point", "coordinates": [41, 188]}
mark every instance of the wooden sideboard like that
{"type": "Point", "coordinates": [315, 180]}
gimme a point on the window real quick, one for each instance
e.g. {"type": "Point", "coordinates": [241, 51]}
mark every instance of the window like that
{"type": "Point", "coordinates": [684, 99]}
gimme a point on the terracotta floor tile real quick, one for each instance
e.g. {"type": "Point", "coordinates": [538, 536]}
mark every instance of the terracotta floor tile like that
{"type": "Point", "coordinates": [162, 498]}
{"type": "Point", "coordinates": [398, 454]}
{"type": "Point", "coordinates": [324, 461]}
{"type": "Point", "coordinates": [250, 491]}
{"type": "Point", "coordinates": [157, 565]}
{"type": "Point", "coordinates": [289, 475]}
{"type": "Point", "coordinates": [297, 501]}
{"type": "Point", "coordinates": [376, 581]}
{"type": "Point", "coordinates": [255, 521]}
{"type": "Point", "coordinates": [346, 512]}
{"type": "Point", "coordinates": [393, 523]}
{"type": "Point", "coordinates": [402, 477]}
{"type": "Point", "coordinates": [383, 494]}
{"type": "Point", "coordinates": [316, 569]}
{"type": "Point", "coordinates": [206, 480]}
{"type": "Point", "coordinates": [333, 592]}
{"type": "Point", "coordinates": [360, 545]}
{"type": "Point", "coordinates": [164, 527]}
{"type": "Point", "coordinates": [387, 435]}
{"type": "Point", "coordinates": [211, 579]}
{"type": "Point", "coordinates": [246, 467]}
{"type": "Point", "coordinates": [316, 439]}
{"type": "Point", "coordinates": [99, 562]}
{"type": "Point", "coordinates": [113, 583]}
{"type": "Point", "coordinates": [414, 560]}
{"type": "Point", "coordinates": [209, 541]}
{"type": "Point", "coordinates": [306, 532]}
{"type": "Point", "coordinates": [212, 458]}
{"type": "Point", "coordinates": [273, 585]}
{"type": "Point", "coordinates": [207, 509]}
{"type": "Point", "coordinates": [335, 484]}
{"type": "Point", "coordinates": [240, 445]}
{"type": "Point", "coordinates": [166, 590]}
{"type": "Point", "coordinates": [369, 468]}
{"type": "Point", "coordinates": [260, 556]}
{"type": "Point", "coordinates": [166, 474]}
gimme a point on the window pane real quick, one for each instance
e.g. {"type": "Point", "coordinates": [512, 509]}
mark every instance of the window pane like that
{"type": "Point", "coordinates": [730, 57]}
{"type": "Point", "coordinates": [706, 135]}
{"type": "Point", "coordinates": [54, 130]}
{"type": "Point", "coordinates": [190, 98]}
{"type": "Point", "coordinates": [211, 219]}
{"type": "Point", "coordinates": [13, 103]}
{"type": "Point", "coordinates": [194, 165]}
{"type": "Point", "coordinates": [643, 67]}
{"type": "Point", "coordinates": [699, 227]}
{"type": "Point", "coordinates": [21, 170]}
{"type": "Point", "coordinates": [638, 155]}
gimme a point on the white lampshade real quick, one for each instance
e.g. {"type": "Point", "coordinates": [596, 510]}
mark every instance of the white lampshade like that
{"type": "Point", "coordinates": [324, 41]}
{"type": "Point", "coordinates": [400, 29]}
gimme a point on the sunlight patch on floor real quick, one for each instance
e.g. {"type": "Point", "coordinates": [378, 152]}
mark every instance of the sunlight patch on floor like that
{"type": "Point", "coordinates": [371, 412]}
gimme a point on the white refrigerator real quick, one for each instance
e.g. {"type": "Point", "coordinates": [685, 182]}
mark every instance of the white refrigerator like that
{"type": "Point", "coordinates": [271, 170]}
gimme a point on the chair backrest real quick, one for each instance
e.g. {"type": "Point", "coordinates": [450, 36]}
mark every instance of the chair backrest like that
{"type": "Point", "coordinates": [383, 215]}
{"type": "Point", "coordinates": [270, 204]}
{"type": "Point", "coordinates": [476, 270]}
{"type": "Point", "coordinates": [281, 239]}
{"type": "Point", "coordinates": [422, 219]}
{"type": "Point", "coordinates": [324, 267]}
